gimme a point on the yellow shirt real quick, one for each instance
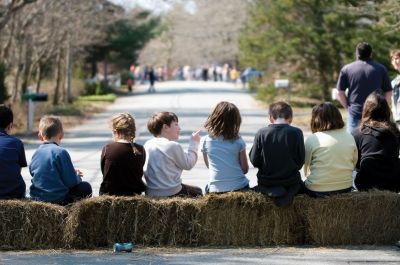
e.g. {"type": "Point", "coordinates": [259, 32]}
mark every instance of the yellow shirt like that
{"type": "Point", "coordinates": [330, 160]}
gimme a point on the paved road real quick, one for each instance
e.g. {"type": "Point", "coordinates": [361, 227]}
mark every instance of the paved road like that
{"type": "Point", "coordinates": [191, 101]}
{"type": "Point", "coordinates": [239, 256]}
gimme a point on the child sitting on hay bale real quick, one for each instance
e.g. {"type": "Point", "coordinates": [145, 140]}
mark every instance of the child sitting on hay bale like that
{"type": "Point", "coordinates": [224, 151]}
{"type": "Point", "coordinates": [12, 158]}
{"type": "Point", "coordinates": [122, 161]}
{"type": "Point", "coordinates": [278, 153]}
{"type": "Point", "coordinates": [167, 159]}
{"type": "Point", "coordinates": [377, 141]}
{"type": "Point", "coordinates": [331, 153]}
{"type": "Point", "coordinates": [54, 178]}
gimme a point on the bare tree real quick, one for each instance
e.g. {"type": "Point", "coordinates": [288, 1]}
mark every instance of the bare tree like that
{"type": "Point", "coordinates": [202, 33]}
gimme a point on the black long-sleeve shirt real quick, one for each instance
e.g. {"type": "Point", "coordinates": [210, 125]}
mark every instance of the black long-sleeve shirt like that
{"type": "Point", "coordinates": [122, 168]}
{"type": "Point", "coordinates": [278, 153]}
{"type": "Point", "coordinates": [378, 164]}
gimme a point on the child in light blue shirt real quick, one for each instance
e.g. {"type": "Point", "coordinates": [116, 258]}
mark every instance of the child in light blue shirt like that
{"type": "Point", "coordinates": [224, 151]}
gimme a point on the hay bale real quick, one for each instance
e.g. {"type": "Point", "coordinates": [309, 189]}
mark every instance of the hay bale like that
{"type": "Point", "coordinates": [105, 220]}
{"type": "Point", "coordinates": [86, 223]}
{"type": "Point", "coordinates": [26, 224]}
{"type": "Point", "coordinates": [356, 218]}
{"type": "Point", "coordinates": [248, 219]}
{"type": "Point", "coordinates": [150, 221]}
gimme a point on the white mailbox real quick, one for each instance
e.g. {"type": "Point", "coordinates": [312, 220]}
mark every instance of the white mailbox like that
{"type": "Point", "coordinates": [281, 83]}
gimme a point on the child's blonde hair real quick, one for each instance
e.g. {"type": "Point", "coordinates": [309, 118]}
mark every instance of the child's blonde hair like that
{"type": "Point", "coordinates": [124, 124]}
{"type": "Point", "coordinates": [50, 126]}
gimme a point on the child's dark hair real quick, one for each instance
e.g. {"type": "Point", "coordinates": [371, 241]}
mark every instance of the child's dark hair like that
{"type": "Point", "coordinates": [326, 117]}
{"type": "Point", "coordinates": [156, 122]}
{"type": "Point", "coordinates": [376, 113]}
{"type": "Point", "coordinates": [224, 121]}
{"type": "Point", "coordinates": [6, 116]}
{"type": "Point", "coordinates": [280, 109]}
{"type": "Point", "coordinates": [50, 126]}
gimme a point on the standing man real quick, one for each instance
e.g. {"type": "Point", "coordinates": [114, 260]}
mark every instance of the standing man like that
{"type": "Point", "coordinates": [361, 78]}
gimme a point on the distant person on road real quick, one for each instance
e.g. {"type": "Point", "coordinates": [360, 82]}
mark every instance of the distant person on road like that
{"type": "Point", "coordinates": [205, 73]}
{"type": "Point", "coordinates": [361, 78]}
{"type": "Point", "coordinates": [122, 161]}
{"type": "Point", "coordinates": [278, 153]}
{"type": "Point", "coordinates": [54, 178]}
{"type": "Point", "coordinates": [166, 158]}
{"type": "Point", "coordinates": [131, 78]}
{"type": "Point", "coordinates": [331, 153]}
{"type": "Point", "coordinates": [12, 158]}
{"type": "Point", "coordinates": [395, 59]}
{"type": "Point", "coordinates": [151, 76]}
{"type": "Point", "coordinates": [224, 150]}
{"type": "Point", "coordinates": [377, 141]}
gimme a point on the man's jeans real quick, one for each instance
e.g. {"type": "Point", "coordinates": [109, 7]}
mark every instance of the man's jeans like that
{"type": "Point", "coordinates": [352, 122]}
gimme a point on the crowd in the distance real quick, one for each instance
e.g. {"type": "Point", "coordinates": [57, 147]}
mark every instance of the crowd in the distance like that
{"type": "Point", "coordinates": [335, 160]}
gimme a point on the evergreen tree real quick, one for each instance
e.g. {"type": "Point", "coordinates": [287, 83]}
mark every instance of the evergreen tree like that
{"type": "Point", "coordinates": [308, 41]}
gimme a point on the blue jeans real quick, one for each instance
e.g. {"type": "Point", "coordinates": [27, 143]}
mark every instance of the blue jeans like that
{"type": "Point", "coordinates": [352, 122]}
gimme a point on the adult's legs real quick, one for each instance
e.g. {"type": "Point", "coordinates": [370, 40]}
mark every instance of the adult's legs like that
{"type": "Point", "coordinates": [352, 122]}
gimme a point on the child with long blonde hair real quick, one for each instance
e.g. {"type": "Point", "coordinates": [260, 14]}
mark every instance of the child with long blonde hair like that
{"type": "Point", "coordinates": [122, 161]}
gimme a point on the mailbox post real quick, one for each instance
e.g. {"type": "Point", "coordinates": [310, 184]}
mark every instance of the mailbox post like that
{"type": "Point", "coordinates": [31, 98]}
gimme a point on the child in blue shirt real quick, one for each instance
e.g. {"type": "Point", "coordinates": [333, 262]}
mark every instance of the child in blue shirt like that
{"type": "Point", "coordinates": [54, 178]}
{"type": "Point", "coordinates": [12, 158]}
{"type": "Point", "coordinates": [224, 150]}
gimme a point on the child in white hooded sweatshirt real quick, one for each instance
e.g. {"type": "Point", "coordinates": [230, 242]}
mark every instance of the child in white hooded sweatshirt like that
{"type": "Point", "coordinates": [166, 158]}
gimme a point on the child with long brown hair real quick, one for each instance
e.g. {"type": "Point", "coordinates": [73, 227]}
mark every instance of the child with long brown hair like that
{"type": "Point", "coordinates": [377, 140]}
{"type": "Point", "coordinates": [122, 161]}
{"type": "Point", "coordinates": [331, 153]}
{"type": "Point", "coordinates": [224, 150]}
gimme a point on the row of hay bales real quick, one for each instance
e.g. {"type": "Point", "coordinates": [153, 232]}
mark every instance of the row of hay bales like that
{"type": "Point", "coordinates": [234, 219]}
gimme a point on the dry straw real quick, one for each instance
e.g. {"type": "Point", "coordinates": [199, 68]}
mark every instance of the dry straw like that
{"type": "Point", "coordinates": [356, 218]}
{"type": "Point", "coordinates": [27, 224]}
{"type": "Point", "coordinates": [231, 219]}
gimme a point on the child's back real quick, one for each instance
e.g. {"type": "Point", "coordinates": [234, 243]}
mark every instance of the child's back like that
{"type": "Point", "coordinates": [12, 158]}
{"type": "Point", "coordinates": [278, 153]}
{"type": "Point", "coordinates": [54, 178]}
{"type": "Point", "coordinates": [224, 150]}
{"type": "Point", "coordinates": [52, 173]}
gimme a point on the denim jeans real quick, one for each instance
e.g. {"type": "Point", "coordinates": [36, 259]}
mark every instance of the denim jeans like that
{"type": "Point", "coordinates": [352, 122]}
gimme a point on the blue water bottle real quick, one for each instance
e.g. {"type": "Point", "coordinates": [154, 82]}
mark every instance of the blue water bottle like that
{"type": "Point", "coordinates": [123, 247]}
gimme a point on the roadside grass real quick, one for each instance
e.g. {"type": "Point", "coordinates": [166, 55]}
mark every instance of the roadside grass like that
{"type": "Point", "coordinates": [95, 98]}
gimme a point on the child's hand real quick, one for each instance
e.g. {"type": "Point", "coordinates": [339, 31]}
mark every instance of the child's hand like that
{"type": "Point", "coordinates": [79, 173]}
{"type": "Point", "coordinates": [196, 136]}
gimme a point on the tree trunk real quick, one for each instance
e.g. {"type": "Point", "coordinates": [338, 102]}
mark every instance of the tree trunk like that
{"type": "Point", "coordinates": [39, 76]}
{"type": "Point", "coordinates": [68, 58]}
{"type": "Point", "coordinates": [58, 78]}
{"type": "Point", "coordinates": [27, 68]}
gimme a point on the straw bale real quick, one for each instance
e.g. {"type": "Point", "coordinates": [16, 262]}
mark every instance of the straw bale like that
{"type": "Point", "coordinates": [356, 218]}
{"type": "Point", "coordinates": [105, 220]}
{"type": "Point", "coordinates": [249, 218]}
{"type": "Point", "coordinates": [86, 223]}
{"type": "Point", "coordinates": [150, 221]}
{"type": "Point", "coordinates": [26, 224]}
